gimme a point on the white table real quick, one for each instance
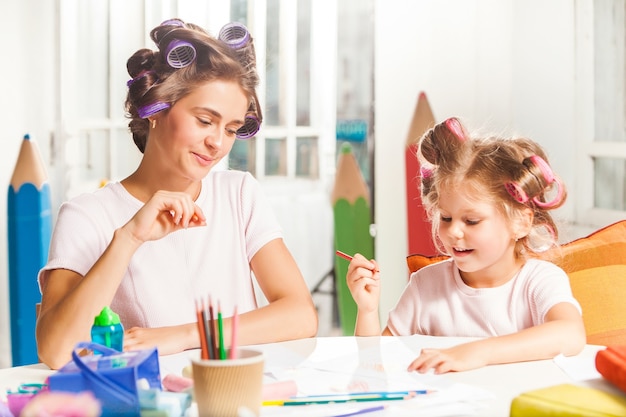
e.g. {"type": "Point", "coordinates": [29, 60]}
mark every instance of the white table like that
{"type": "Point", "coordinates": [502, 382]}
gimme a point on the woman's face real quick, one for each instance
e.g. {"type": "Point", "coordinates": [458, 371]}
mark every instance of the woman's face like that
{"type": "Point", "coordinates": [199, 129]}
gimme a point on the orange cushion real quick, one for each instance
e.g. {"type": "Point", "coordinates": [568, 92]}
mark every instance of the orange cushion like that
{"type": "Point", "coordinates": [596, 266]}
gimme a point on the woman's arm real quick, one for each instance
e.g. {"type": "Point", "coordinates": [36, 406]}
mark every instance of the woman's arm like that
{"type": "Point", "coordinates": [290, 313]}
{"type": "Point", "coordinates": [562, 333]}
{"type": "Point", "coordinates": [70, 302]}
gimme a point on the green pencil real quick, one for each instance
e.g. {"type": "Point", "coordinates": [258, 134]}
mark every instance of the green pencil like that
{"type": "Point", "coordinates": [220, 332]}
{"type": "Point", "coordinates": [337, 399]}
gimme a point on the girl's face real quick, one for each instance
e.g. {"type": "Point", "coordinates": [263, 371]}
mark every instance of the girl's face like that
{"type": "Point", "coordinates": [479, 239]}
{"type": "Point", "coordinates": [199, 130]}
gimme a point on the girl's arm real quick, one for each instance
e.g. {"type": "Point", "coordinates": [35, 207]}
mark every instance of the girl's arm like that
{"type": "Point", "coordinates": [363, 279]}
{"type": "Point", "coordinates": [562, 333]}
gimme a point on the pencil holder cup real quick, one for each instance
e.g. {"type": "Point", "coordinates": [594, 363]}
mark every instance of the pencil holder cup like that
{"type": "Point", "coordinates": [222, 387]}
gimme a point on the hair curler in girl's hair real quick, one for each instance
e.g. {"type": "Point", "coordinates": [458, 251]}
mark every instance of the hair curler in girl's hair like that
{"type": "Point", "coordinates": [179, 53]}
{"type": "Point", "coordinates": [454, 125]}
{"type": "Point", "coordinates": [518, 193]}
{"type": "Point", "coordinates": [250, 128]}
{"type": "Point", "coordinates": [235, 35]}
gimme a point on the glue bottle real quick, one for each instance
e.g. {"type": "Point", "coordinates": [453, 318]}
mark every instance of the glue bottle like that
{"type": "Point", "coordinates": [107, 330]}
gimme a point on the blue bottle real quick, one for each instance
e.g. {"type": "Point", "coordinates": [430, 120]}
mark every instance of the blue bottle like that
{"type": "Point", "coordinates": [107, 330]}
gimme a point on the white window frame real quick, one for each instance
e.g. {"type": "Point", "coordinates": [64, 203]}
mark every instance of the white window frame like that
{"type": "Point", "coordinates": [588, 148]}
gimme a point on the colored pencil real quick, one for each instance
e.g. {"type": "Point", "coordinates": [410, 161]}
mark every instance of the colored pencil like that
{"type": "Point", "coordinates": [204, 349]}
{"type": "Point", "coordinates": [29, 217]}
{"type": "Point", "coordinates": [220, 332]}
{"type": "Point", "coordinates": [346, 256]}
{"type": "Point", "coordinates": [361, 411]}
{"type": "Point", "coordinates": [207, 332]}
{"type": "Point", "coordinates": [213, 332]}
{"type": "Point", "coordinates": [343, 255]}
{"type": "Point", "coordinates": [334, 400]}
{"type": "Point", "coordinates": [234, 329]}
{"type": "Point", "coordinates": [360, 393]}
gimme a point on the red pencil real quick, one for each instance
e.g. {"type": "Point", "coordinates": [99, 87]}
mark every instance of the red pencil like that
{"type": "Point", "coordinates": [346, 256]}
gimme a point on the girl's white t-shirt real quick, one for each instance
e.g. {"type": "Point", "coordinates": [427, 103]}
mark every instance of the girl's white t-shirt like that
{"type": "Point", "coordinates": [437, 302]}
{"type": "Point", "coordinates": [166, 276]}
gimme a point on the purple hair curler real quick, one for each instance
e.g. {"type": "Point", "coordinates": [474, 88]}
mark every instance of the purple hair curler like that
{"type": "Point", "coordinates": [250, 128]}
{"type": "Point", "coordinates": [179, 53]}
{"type": "Point", "coordinates": [172, 22]}
{"type": "Point", "coordinates": [151, 109]}
{"type": "Point", "coordinates": [235, 35]}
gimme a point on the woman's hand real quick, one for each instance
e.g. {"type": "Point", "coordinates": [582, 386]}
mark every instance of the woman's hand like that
{"type": "Point", "coordinates": [363, 279]}
{"type": "Point", "coordinates": [168, 340]}
{"type": "Point", "coordinates": [163, 214]}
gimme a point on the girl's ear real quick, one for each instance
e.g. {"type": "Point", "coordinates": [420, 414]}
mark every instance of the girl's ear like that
{"type": "Point", "coordinates": [524, 223]}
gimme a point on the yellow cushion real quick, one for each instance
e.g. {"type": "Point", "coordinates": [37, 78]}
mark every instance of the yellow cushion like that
{"type": "Point", "coordinates": [596, 266]}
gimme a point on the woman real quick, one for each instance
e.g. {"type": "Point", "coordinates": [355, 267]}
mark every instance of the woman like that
{"type": "Point", "coordinates": [174, 230]}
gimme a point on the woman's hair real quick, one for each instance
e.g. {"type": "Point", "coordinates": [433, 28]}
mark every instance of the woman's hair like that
{"type": "Point", "coordinates": [511, 173]}
{"type": "Point", "coordinates": [187, 56]}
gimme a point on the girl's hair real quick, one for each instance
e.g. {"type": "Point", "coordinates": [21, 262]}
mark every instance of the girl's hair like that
{"type": "Point", "coordinates": [511, 173]}
{"type": "Point", "coordinates": [155, 84]}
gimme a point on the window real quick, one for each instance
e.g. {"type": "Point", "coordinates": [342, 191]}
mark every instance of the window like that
{"type": "Point", "coordinates": [602, 102]}
{"type": "Point", "coordinates": [98, 37]}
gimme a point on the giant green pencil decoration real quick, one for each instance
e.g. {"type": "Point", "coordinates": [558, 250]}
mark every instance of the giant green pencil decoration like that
{"type": "Point", "coordinates": [29, 229]}
{"type": "Point", "coordinates": [352, 219]}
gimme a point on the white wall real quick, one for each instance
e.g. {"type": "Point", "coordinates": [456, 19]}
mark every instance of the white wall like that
{"type": "Point", "coordinates": [500, 65]}
{"type": "Point", "coordinates": [26, 107]}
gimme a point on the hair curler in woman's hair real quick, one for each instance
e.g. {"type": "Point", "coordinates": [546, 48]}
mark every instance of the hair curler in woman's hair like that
{"type": "Point", "coordinates": [250, 128]}
{"type": "Point", "coordinates": [235, 35]}
{"type": "Point", "coordinates": [179, 53]}
{"type": "Point", "coordinates": [518, 193]}
{"type": "Point", "coordinates": [151, 109]}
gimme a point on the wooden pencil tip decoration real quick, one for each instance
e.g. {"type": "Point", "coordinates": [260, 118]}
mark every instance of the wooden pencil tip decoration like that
{"type": "Point", "coordinates": [418, 228]}
{"type": "Point", "coordinates": [29, 216]}
{"type": "Point", "coordinates": [352, 221]}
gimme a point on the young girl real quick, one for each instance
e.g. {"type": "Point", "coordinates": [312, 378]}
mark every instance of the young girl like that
{"type": "Point", "coordinates": [488, 200]}
{"type": "Point", "coordinates": [175, 231]}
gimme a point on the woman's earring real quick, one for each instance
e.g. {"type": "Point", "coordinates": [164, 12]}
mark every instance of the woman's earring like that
{"type": "Point", "coordinates": [153, 123]}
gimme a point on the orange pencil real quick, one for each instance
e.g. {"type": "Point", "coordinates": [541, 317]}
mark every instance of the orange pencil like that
{"type": "Point", "coordinates": [203, 344]}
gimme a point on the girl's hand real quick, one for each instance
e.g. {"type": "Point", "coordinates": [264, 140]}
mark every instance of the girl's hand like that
{"type": "Point", "coordinates": [164, 213]}
{"type": "Point", "coordinates": [363, 279]}
{"type": "Point", "coordinates": [458, 358]}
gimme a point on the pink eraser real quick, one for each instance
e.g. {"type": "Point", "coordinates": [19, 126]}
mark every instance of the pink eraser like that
{"type": "Point", "coordinates": [176, 383]}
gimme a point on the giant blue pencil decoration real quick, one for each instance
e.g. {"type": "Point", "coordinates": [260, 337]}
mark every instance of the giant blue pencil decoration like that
{"type": "Point", "coordinates": [29, 230]}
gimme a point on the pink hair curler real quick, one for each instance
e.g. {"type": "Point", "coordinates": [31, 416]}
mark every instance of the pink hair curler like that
{"type": "Point", "coordinates": [454, 125]}
{"type": "Point", "coordinates": [520, 195]}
